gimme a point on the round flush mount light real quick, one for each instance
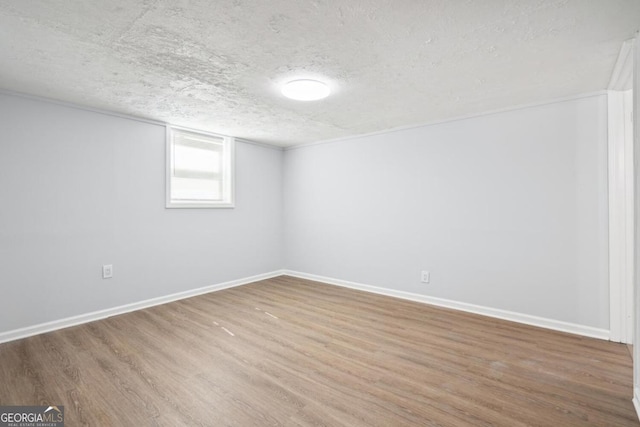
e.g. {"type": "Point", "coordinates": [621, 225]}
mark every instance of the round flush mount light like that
{"type": "Point", "coordinates": [305, 90]}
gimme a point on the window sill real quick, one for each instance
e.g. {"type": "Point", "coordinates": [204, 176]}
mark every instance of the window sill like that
{"type": "Point", "coordinates": [200, 205]}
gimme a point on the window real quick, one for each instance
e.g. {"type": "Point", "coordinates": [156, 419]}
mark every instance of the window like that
{"type": "Point", "coordinates": [199, 170]}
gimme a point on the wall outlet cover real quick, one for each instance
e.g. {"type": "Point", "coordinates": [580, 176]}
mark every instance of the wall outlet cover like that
{"type": "Point", "coordinates": [107, 271]}
{"type": "Point", "coordinates": [425, 277]}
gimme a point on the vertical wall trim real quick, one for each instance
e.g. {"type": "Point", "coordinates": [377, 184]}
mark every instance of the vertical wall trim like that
{"type": "Point", "coordinates": [636, 400]}
{"type": "Point", "coordinates": [636, 299]}
{"type": "Point", "coordinates": [629, 241]}
{"type": "Point", "coordinates": [616, 226]}
{"type": "Point", "coordinates": [620, 157]}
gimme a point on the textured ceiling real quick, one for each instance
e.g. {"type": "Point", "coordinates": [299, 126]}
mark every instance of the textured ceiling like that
{"type": "Point", "coordinates": [217, 65]}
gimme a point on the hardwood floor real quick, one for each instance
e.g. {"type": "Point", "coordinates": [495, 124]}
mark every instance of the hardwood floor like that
{"type": "Point", "coordinates": [291, 352]}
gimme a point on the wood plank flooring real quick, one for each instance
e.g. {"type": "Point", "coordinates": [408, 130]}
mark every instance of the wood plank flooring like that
{"type": "Point", "coordinates": [291, 352]}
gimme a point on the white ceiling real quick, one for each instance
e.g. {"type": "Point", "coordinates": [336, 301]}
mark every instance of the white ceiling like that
{"type": "Point", "coordinates": [217, 65]}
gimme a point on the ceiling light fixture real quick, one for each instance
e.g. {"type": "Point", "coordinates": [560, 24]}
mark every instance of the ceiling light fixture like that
{"type": "Point", "coordinates": [305, 90]}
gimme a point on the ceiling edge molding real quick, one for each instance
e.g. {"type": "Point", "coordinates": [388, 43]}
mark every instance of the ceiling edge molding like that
{"type": "Point", "coordinates": [622, 75]}
{"type": "Point", "coordinates": [125, 116]}
{"type": "Point", "coordinates": [453, 119]}
{"type": "Point", "coordinates": [259, 144]}
{"type": "Point", "coordinates": [80, 107]}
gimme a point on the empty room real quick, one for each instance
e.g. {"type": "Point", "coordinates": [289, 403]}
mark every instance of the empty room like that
{"type": "Point", "coordinates": [319, 213]}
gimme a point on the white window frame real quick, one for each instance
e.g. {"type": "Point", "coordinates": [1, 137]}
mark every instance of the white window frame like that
{"type": "Point", "coordinates": [228, 172]}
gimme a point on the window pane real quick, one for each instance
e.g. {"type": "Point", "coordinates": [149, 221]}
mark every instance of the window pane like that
{"type": "Point", "coordinates": [195, 159]}
{"type": "Point", "coordinates": [200, 170]}
{"type": "Point", "coordinates": [195, 189]}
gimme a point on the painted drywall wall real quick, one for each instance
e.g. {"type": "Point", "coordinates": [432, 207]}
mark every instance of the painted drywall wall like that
{"type": "Point", "coordinates": [507, 210]}
{"type": "Point", "coordinates": [80, 189]}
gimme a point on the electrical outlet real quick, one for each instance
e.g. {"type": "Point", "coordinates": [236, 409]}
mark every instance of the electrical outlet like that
{"type": "Point", "coordinates": [107, 271]}
{"type": "Point", "coordinates": [424, 277]}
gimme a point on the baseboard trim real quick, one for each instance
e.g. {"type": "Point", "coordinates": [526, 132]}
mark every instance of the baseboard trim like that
{"type": "Point", "coordinates": [440, 302]}
{"type": "Point", "coordinates": [636, 401]}
{"type": "Point", "coordinates": [526, 319]}
{"type": "Point", "coordinates": [127, 308]}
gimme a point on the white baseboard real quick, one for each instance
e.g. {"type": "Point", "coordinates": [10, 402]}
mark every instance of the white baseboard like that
{"type": "Point", "coordinates": [109, 312]}
{"type": "Point", "coordinates": [527, 319]}
{"type": "Point", "coordinates": [636, 401]}
{"type": "Point", "coordinates": [471, 308]}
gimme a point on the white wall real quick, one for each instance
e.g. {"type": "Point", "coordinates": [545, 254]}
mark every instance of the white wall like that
{"type": "Point", "coordinates": [80, 189]}
{"type": "Point", "coordinates": [507, 210]}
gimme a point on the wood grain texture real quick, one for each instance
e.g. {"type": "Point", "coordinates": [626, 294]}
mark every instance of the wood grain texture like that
{"type": "Point", "coordinates": [292, 352]}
